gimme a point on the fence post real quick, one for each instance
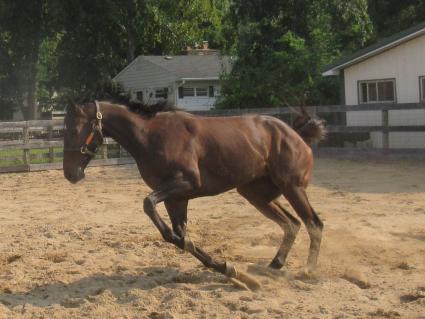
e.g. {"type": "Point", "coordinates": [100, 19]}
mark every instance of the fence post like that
{"type": "Point", "coordinates": [26, 138]}
{"type": "Point", "coordinates": [105, 151]}
{"type": "Point", "coordinates": [385, 130]}
{"type": "Point", "coordinates": [51, 150]}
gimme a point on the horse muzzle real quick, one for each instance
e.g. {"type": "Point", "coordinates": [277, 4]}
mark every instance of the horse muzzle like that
{"type": "Point", "coordinates": [76, 176]}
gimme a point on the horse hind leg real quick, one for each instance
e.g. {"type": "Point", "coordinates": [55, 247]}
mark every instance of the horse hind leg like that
{"type": "Point", "coordinates": [290, 226]}
{"type": "Point", "coordinates": [262, 194]}
{"type": "Point", "coordinates": [177, 211]}
{"type": "Point", "coordinates": [297, 197]}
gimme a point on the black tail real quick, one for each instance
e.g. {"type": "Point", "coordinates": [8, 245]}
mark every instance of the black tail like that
{"type": "Point", "coordinates": [310, 129]}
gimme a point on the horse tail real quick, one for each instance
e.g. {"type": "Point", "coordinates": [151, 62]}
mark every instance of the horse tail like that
{"type": "Point", "coordinates": [310, 129]}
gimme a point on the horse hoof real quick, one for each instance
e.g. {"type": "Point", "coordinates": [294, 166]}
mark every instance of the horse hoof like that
{"type": "Point", "coordinates": [309, 273]}
{"type": "Point", "coordinates": [276, 264]}
{"type": "Point", "coordinates": [189, 246]}
{"type": "Point", "coordinates": [242, 277]}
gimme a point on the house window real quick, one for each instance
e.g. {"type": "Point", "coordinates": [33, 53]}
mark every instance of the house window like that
{"type": "Point", "coordinates": [377, 91]}
{"type": "Point", "coordinates": [139, 96]}
{"type": "Point", "coordinates": [201, 92]}
{"type": "Point", "coordinates": [188, 91]}
{"type": "Point", "coordinates": [161, 93]}
{"type": "Point", "coordinates": [422, 87]}
{"type": "Point", "coordinates": [192, 91]}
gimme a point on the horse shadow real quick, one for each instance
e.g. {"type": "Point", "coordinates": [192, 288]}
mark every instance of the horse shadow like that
{"type": "Point", "coordinates": [72, 295]}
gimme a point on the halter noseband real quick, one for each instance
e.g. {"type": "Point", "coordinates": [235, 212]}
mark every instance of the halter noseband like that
{"type": "Point", "coordinates": [96, 127]}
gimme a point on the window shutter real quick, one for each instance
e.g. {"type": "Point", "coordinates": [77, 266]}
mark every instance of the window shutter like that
{"type": "Point", "coordinates": [180, 92]}
{"type": "Point", "coordinates": [211, 91]}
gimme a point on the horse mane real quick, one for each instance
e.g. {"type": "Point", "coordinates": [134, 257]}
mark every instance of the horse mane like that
{"type": "Point", "coordinates": [150, 109]}
{"type": "Point", "coordinates": [310, 129]}
{"type": "Point", "coordinates": [113, 92]}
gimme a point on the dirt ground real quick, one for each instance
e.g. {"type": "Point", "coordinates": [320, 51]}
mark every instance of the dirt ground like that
{"type": "Point", "coordinates": [88, 251]}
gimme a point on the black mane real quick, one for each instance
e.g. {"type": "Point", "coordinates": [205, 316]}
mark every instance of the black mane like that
{"type": "Point", "coordinates": [150, 109]}
{"type": "Point", "coordinates": [113, 92]}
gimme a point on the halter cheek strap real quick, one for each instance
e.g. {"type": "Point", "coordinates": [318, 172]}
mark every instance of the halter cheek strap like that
{"type": "Point", "coordinates": [97, 127]}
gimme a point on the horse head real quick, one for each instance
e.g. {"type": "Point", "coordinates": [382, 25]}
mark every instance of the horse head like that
{"type": "Point", "coordinates": [82, 137]}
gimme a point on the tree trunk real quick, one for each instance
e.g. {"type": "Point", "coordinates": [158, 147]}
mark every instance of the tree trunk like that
{"type": "Point", "coordinates": [32, 82]}
{"type": "Point", "coordinates": [131, 45]}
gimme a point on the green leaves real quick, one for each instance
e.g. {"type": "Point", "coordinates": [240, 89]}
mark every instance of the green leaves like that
{"type": "Point", "coordinates": [283, 45]}
{"type": "Point", "coordinates": [54, 47]}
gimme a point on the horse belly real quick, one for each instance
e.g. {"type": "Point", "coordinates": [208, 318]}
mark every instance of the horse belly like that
{"type": "Point", "coordinates": [221, 176]}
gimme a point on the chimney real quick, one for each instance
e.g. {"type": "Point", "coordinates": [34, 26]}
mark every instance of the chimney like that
{"type": "Point", "coordinates": [200, 49]}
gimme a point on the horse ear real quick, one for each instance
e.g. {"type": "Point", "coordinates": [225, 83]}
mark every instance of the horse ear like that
{"type": "Point", "coordinates": [71, 107]}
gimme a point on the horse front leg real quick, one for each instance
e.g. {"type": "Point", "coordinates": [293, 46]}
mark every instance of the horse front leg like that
{"type": "Point", "coordinates": [177, 209]}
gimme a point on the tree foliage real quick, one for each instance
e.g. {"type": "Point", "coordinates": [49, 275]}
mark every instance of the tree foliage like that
{"type": "Point", "coordinates": [52, 48]}
{"type": "Point", "coordinates": [283, 46]}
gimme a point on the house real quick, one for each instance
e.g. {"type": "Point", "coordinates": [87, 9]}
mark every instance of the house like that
{"type": "Point", "coordinates": [390, 71]}
{"type": "Point", "coordinates": [191, 81]}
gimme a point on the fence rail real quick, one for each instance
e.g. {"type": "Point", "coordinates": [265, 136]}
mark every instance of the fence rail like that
{"type": "Point", "coordinates": [17, 154]}
{"type": "Point", "coordinates": [20, 154]}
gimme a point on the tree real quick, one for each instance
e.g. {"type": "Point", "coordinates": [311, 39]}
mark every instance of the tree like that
{"type": "Point", "coordinates": [52, 48]}
{"type": "Point", "coordinates": [284, 44]}
{"type": "Point", "coordinates": [392, 16]}
{"type": "Point", "coordinates": [102, 37]}
{"type": "Point", "coordinates": [25, 26]}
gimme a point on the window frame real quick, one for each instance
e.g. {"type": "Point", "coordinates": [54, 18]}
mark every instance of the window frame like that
{"type": "Point", "coordinates": [140, 96]}
{"type": "Point", "coordinates": [161, 93]}
{"type": "Point", "coordinates": [182, 90]}
{"type": "Point", "coordinates": [422, 88]}
{"type": "Point", "coordinates": [201, 88]}
{"type": "Point", "coordinates": [376, 81]}
{"type": "Point", "coordinates": [188, 88]}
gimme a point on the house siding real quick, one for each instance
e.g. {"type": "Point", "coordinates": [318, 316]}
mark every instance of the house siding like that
{"type": "Point", "coordinates": [405, 64]}
{"type": "Point", "coordinates": [145, 76]}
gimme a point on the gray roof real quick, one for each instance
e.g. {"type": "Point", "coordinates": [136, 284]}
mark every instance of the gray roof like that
{"type": "Point", "coordinates": [191, 66]}
{"type": "Point", "coordinates": [375, 49]}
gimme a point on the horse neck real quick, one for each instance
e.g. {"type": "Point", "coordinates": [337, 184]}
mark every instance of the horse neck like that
{"type": "Point", "coordinates": [121, 124]}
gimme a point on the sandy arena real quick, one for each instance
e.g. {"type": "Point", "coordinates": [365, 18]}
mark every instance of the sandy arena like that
{"type": "Point", "coordinates": [88, 250]}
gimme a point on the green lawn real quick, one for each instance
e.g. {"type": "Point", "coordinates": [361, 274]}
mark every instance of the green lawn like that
{"type": "Point", "coordinates": [40, 156]}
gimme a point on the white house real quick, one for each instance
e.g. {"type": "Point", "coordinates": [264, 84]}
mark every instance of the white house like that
{"type": "Point", "coordinates": [390, 71]}
{"type": "Point", "coordinates": [191, 81]}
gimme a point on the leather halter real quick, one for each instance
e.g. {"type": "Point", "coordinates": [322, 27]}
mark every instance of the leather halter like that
{"type": "Point", "coordinates": [96, 128]}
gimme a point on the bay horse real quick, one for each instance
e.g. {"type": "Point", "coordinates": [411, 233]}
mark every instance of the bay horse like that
{"type": "Point", "coordinates": [181, 156]}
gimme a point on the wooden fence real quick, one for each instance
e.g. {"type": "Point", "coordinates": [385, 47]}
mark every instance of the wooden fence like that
{"type": "Point", "coordinates": [335, 127]}
{"type": "Point", "coordinates": [19, 141]}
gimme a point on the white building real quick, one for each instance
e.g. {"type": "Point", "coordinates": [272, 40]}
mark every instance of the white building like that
{"type": "Point", "coordinates": [192, 82]}
{"type": "Point", "coordinates": [390, 71]}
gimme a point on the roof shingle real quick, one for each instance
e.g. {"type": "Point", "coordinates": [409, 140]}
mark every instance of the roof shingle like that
{"type": "Point", "coordinates": [191, 66]}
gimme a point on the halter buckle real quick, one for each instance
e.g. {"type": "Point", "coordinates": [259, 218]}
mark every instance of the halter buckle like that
{"type": "Point", "coordinates": [99, 115]}
{"type": "Point", "coordinates": [85, 151]}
